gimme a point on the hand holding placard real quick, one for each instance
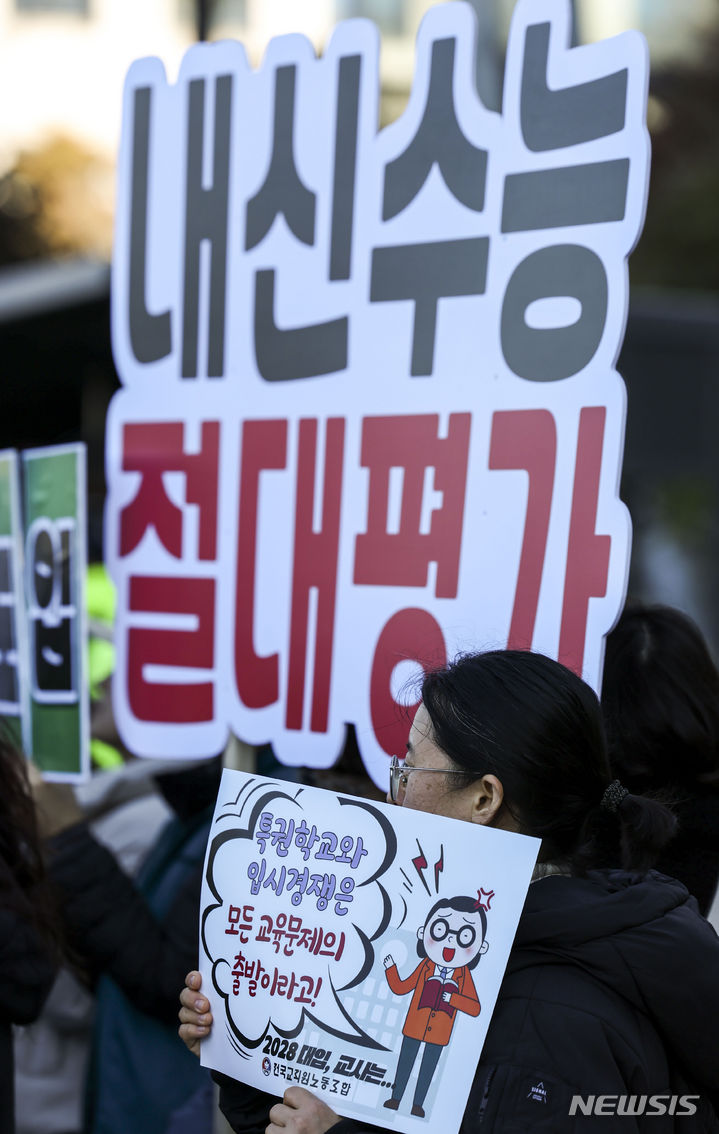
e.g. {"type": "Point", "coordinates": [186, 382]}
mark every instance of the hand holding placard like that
{"type": "Point", "coordinates": [195, 1016]}
{"type": "Point", "coordinates": [301, 1112]}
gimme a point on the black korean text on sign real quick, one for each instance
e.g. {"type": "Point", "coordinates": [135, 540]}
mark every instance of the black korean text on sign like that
{"type": "Point", "coordinates": [555, 119]}
{"type": "Point", "coordinates": [343, 196]}
{"type": "Point", "coordinates": [51, 610]}
{"type": "Point", "coordinates": [206, 212]}
{"type": "Point", "coordinates": [316, 349]}
{"type": "Point", "coordinates": [206, 218]}
{"type": "Point", "coordinates": [150, 335]}
{"type": "Point", "coordinates": [426, 273]}
{"type": "Point", "coordinates": [439, 140]}
{"type": "Point", "coordinates": [429, 271]}
{"type": "Point", "coordinates": [300, 352]}
{"type": "Point", "coordinates": [569, 195]}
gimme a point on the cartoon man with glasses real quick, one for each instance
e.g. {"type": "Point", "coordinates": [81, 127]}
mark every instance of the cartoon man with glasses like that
{"type": "Point", "coordinates": [450, 943]}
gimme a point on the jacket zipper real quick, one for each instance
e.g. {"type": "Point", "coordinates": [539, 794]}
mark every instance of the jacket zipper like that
{"type": "Point", "coordinates": [485, 1094]}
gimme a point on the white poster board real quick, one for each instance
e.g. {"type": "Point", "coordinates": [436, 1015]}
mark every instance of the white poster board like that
{"type": "Point", "coordinates": [332, 929]}
{"type": "Point", "coordinates": [370, 413]}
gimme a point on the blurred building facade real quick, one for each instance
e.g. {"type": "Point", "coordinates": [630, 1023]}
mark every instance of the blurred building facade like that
{"type": "Point", "coordinates": [62, 62]}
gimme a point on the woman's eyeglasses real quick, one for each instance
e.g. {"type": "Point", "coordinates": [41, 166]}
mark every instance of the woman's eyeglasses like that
{"type": "Point", "coordinates": [398, 775]}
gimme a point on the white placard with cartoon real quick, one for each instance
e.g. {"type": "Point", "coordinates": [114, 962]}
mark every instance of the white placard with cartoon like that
{"type": "Point", "coordinates": [355, 948]}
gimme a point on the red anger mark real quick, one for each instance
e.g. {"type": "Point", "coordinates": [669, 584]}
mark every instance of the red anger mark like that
{"type": "Point", "coordinates": [484, 897]}
{"type": "Point", "coordinates": [420, 862]}
{"type": "Point", "coordinates": [438, 868]}
{"type": "Point", "coordinates": [420, 865]}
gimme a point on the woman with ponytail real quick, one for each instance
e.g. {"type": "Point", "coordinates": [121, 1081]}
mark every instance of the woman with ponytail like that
{"type": "Point", "coordinates": [660, 700]}
{"type": "Point", "coordinates": [611, 987]}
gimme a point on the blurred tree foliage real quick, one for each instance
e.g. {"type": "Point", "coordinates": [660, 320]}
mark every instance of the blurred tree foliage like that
{"type": "Point", "coordinates": [56, 200]}
{"type": "Point", "coordinates": [680, 243]}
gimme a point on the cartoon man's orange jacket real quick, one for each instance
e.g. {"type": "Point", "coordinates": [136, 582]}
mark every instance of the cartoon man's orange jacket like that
{"type": "Point", "coordinates": [430, 1018]}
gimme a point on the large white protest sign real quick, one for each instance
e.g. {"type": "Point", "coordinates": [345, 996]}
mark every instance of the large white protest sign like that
{"type": "Point", "coordinates": [370, 412]}
{"type": "Point", "coordinates": [355, 949]}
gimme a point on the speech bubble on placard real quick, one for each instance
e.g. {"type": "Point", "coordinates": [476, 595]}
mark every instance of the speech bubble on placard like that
{"type": "Point", "coordinates": [299, 900]}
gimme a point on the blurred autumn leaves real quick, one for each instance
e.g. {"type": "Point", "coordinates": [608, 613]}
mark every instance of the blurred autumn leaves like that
{"type": "Point", "coordinates": [56, 201]}
{"type": "Point", "coordinates": [680, 244]}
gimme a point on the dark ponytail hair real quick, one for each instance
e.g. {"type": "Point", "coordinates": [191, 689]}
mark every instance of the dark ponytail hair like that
{"type": "Point", "coordinates": [660, 699]}
{"type": "Point", "coordinates": [538, 728]}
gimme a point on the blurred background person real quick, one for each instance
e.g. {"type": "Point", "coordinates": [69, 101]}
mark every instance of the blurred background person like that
{"type": "Point", "coordinates": [125, 812]}
{"type": "Point", "coordinates": [28, 936]}
{"type": "Point", "coordinates": [660, 698]}
{"type": "Point", "coordinates": [132, 938]}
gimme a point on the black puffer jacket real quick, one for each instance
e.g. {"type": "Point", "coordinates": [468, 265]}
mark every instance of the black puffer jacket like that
{"type": "Point", "coordinates": [109, 918]}
{"type": "Point", "coordinates": [612, 988]}
{"type": "Point", "coordinates": [110, 925]}
{"type": "Point", "coordinates": [26, 976]}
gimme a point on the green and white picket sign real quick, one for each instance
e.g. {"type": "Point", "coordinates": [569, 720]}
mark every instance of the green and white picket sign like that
{"type": "Point", "coordinates": [14, 706]}
{"type": "Point", "coordinates": [54, 498]}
